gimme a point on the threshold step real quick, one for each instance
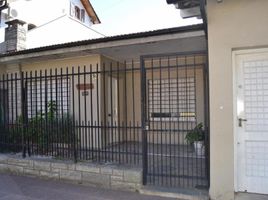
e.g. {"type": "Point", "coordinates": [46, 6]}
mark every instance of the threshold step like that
{"type": "Point", "coordinates": [176, 193]}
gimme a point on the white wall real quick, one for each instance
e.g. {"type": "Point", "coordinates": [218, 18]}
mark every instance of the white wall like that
{"type": "Point", "coordinates": [62, 30]}
{"type": "Point", "coordinates": [54, 22]}
{"type": "Point", "coordinates": [233, 24]}
{"type": "Point", "coordinates": [39, 12]}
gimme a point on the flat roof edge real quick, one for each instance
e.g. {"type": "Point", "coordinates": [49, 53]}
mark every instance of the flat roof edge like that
{"type": "Point", "coordinates": [183, 29]}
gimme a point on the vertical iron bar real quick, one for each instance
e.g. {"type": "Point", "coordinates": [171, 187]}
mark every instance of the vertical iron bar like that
{"type": "Point", "coordinates": [118, 114]}
{"type": "Point", "coordinates": [16, 99]}
{"type": "Point", "coordinates": [91, 116]}
{"type": "Point", "coordinates": [161, 122]}
{"type": "Point", "coordinates": [126, 112]}
{"type": "Point", "coordinates": [51, 128]}
{"type": "Point", "coordinates": [178, 124]}
{"type": "Point", "coordinates": [105, 113]}
{"type": "Point", "coordinates": [46, 132]}
{"type": "Point", "coordinates": [9, 140]}
{"type": "Point", "coordinates": [98, 112]}
{"type": "Point", "coordinates": [68, 112]}
{"type": "Point", "coordinates": [87, 130]}
{"type": "Point", "coordinates": [133, 108]}
{"type": "Point", "coordinates": [79, 114]}
{"type": "Point", "coordinates": [187, 117]}
{"type": "Point", "coordinates": [36, 112]}
{"type": "Point", "coordinates": [195, 123]}
{"type": "Point", "coordinates": [26, 115]}
{"type": "Point", "coordinates": [112, 112]}
{"type": "Point", "coordinates": [169, 127]}
{"type": "Point", "coordinates": [62, 133]}
{"type": "Point", "coordinates": [31, 107]}
{"type": "Point", "coordinates": [23, 114]}
{"type": "Point", "coordinates": [57, 114]}
{"type": "Point", "coordinates": [152, 101]}
{"type": "Point", "coordinates": [73, 120]}
{"type": "Point", "coordinates": [41, 113]}
{"type": "Point", "coordinates": [143, 118]}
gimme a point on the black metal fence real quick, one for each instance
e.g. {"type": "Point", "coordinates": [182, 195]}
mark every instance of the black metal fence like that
{"type": "Point", "coordinates": [78, 113]}
{"type": "Point", "coordinates": [136, 113]}
{"type": "Point", "coordinates": [175, 120]}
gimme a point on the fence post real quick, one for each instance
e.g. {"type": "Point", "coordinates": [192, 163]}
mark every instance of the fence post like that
{"type": "Point", "coordinates": [22, 114]}
{"type": "Point", "coordinates": [143, 123]}
{"type": "Point", "coordinates": [74, 143]}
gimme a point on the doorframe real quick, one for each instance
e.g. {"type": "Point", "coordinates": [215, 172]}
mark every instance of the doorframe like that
{"type": "Point", "coordinates": [235, 54]}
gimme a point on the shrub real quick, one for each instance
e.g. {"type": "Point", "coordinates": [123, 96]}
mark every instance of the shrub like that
{"type": "Point", "coordinates": [197, 134]}
{"type": "Point", "coordinates": [44, 129]}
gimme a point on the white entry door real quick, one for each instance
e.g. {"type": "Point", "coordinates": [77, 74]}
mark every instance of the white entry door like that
{"type": "Point", "coordinates": [112, 99]}
{"type": "Point", "coordinates": [251, 123]}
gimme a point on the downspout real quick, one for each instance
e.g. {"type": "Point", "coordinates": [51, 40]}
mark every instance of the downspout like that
{"type": "Point", "coordinates": [204, 16]}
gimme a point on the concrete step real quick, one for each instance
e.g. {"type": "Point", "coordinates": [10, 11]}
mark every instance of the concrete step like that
{"type": "Point", "coordinates": [176, 193]}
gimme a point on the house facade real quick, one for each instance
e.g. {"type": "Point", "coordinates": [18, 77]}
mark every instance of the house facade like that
{"type": "Point", "coordinates": [134, 98]}
{"type": "Point", "coordinates": [237, 43]}
{"type": "Point", "coordinates": [99, 85]}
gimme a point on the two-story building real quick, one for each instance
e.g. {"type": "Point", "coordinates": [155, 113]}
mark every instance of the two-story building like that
{"type": "Point", "coordinates": [54, 22]}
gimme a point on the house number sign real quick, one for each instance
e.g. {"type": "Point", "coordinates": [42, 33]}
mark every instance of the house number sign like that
{"type": "Point", "coordinates": [85, 86]}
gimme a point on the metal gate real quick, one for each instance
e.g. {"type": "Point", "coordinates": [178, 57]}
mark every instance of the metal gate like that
{"type": "Point", "coordinates": [174, 115]}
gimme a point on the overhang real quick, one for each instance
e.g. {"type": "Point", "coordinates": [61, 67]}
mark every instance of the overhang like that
{"type": "Point", "coordinates": [120, 47]}
{"type": "Point", "coordinates": [90, 11]}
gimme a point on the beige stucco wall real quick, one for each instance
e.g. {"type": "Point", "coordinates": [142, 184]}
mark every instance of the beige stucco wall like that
{"type": "Point", "coordinates": [61, 63]}
{"type": "Point", "coordinates": [129, 100]}
{"type": "Point", "coordinates": [231, 25]}
{"type": "Point", "coordinates": [83, 114]}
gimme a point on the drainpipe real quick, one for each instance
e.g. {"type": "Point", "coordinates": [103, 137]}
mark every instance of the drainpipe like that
{"type": "Point", "coordinates": [204, 15]}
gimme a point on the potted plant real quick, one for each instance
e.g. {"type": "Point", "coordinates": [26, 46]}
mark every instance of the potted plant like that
{"type": "Point", "coordinates": [196, 137]}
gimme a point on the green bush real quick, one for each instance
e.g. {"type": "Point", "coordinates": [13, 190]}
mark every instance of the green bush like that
{"type": "Point", "coordinates": [44, 129]}
{"type": "Point", "coordinates": [197, 134]}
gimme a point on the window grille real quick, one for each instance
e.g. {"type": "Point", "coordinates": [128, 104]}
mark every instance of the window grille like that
{"type": "Point", "coordinates": [172, 99]}
{"type": "Point", "coordinates": [41, 93]}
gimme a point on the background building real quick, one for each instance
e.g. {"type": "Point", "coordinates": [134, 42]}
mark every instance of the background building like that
{"type": "Point", "coordinates": [50, 22]}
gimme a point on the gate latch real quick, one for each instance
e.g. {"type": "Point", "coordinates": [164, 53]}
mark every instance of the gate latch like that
{"type": "Point", "coordinates": [147, 127]}
{"type": "Point", "coordinates": [240, 120]}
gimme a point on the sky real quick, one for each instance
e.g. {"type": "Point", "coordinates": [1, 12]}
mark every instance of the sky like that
{"type": "Point", "coordinates": [117, 16]}
{"type": "Point", "coordinates": [128, 16]}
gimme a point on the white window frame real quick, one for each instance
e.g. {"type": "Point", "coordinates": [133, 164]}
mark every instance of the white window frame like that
{"type": "Point", "coordinates": [77, 13]}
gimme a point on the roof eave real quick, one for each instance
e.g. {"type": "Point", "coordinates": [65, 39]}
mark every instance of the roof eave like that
{"type": "Point", "coordinates": [90, 11]}
{"type": "Point", "coordinates": [191, 28]}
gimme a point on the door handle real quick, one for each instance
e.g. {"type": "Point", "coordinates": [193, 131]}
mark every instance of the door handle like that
{"type": "Point", "coordinates": [240, 120]}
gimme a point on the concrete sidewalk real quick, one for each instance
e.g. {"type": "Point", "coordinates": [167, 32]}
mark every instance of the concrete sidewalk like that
{"type": "Point", "coordinates": [24, 188]}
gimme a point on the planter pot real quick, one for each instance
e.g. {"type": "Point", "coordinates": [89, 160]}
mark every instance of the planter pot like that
{"type": "Point", "coordinates": [199, 148]}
